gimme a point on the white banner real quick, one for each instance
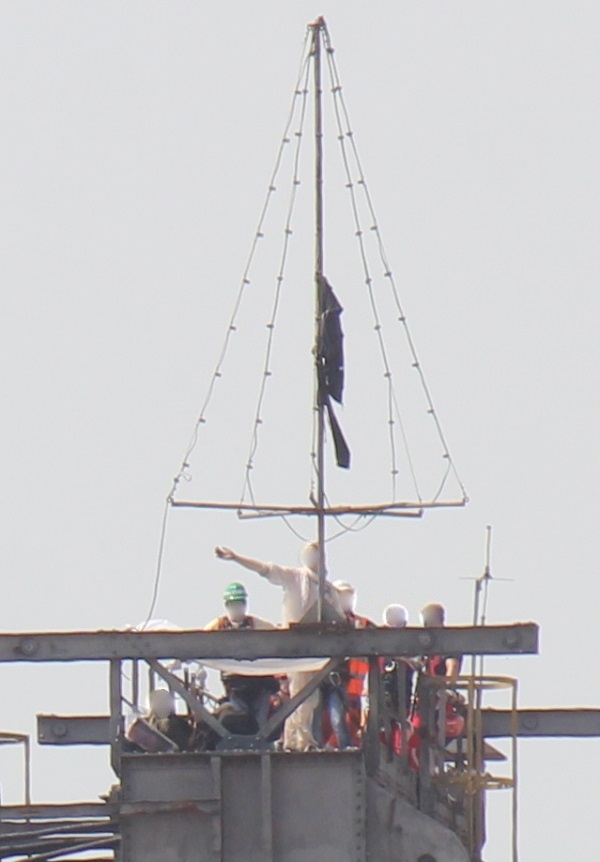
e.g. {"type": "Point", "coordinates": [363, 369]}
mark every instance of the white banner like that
{"type": "Point", "coordinates": [266, 666]}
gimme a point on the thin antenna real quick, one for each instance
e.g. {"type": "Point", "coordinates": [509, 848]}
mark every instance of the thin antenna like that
{"type": "Point", "coordinates": [481, 594]}
{"type": "Point", "coordinates": [479, 582]}
{"type": "Point", "coordinates": [482, 585]}
{"type": "Point", "coordinates": [317, 29]}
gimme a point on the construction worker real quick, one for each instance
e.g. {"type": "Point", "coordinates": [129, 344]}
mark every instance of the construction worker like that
{"type": "Point", "coordinates": [236, 614]}
{"type": "Point", "coordinates": [397, 676]}
{"type": "Point", "coordinates": [300, 592]}
{"type": "Point", "coordinates": [343, 693]}
{"type": "Point", "coordinates": [163, 717]}
{"type": "Point", "coordinates": [434, 616]}
{"type": "Point", "coordinates": [251, 693]}
{"type": "Point", "coordinates": [300, 584]}
{"type": "Point", "coordinates": [347, 599]}
{"type": "Point", "coordinates": [447, 702]}
{"type": "Point", "coordinates": [395, 617]}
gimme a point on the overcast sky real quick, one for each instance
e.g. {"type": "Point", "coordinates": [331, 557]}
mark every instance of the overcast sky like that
{"type": "Point", "coordinates": [136, 148]}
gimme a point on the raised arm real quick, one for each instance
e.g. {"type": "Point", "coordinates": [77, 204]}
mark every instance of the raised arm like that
{"type": "Point", "coordinates": [247, 562]}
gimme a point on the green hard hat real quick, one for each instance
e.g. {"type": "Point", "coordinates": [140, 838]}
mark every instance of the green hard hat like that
{"type": "Point", "coordinates": [235, 593]}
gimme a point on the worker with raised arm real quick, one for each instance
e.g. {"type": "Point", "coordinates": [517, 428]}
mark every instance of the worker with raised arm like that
{"type": "Point", "coordinates": [300, 586]}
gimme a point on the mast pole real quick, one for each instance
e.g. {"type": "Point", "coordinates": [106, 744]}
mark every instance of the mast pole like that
{"type": "Point", "coordinates": [317, 28]}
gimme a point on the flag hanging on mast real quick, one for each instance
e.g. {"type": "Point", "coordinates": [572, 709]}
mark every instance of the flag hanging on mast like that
{"type": "Point", "coordinates": [331, 366]}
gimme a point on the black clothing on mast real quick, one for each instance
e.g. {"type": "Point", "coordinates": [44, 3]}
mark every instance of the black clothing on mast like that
{"type": "Point", "coordinates": [331, 366]}
{"type": "Point", "coordinates": [332, 342]}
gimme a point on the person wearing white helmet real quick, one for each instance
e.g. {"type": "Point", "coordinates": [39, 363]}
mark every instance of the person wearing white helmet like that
{"type": "Point", "coordinates": [398, 669]}
{"type": "Point", "coordinates": [434, 616]}
{"type": "Point", "coordinates": [395, 616]}
{"type": "Point", "coordinates": [300, 585]}
{"type": "Point", "coordinates": [344, 693]}
{"type": "Point", "coordinates": [162, 715]}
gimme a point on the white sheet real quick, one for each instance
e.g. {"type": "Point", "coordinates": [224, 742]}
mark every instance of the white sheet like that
{"type": "Point", "coordinates": [266, 666]}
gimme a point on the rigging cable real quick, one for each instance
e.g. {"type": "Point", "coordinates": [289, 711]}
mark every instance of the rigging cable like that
{"type": "Point", "coordinates": [159, 560]}
{"type": "Point", "coordinates": [245, 282]}
{"type": "Point", "coordinates": [338, 95]}
{"type": "Point", "coordinates": [287, 233]}
{"type": "Point", "coordinates": [183, 473]}
{"type": "Point", "coordinates": [359, 233]}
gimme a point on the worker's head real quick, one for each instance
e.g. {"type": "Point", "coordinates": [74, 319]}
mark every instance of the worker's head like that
{"type": "Point", "coordinates": [310, 556]}
{"type": "Point", "coordinates": [433, 615]}
{"type": "Point", "coordinates": [395, 616]}
{"type": "Point", "coordinates": [236, 602]}
{"type": "Point", "coordinates": [162, 703]}
{"type": "Point", "coordinates": [346, 594]}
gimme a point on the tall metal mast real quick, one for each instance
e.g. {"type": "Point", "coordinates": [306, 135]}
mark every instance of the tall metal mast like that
{"type": "Point", "coordinates": [317, 29]}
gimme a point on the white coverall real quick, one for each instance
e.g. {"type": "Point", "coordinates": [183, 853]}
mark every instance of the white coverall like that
{"type": "Point", "coordinates": [300, 591]}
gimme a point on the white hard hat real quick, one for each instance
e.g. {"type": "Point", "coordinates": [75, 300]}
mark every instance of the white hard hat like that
{"type": "Point", "coordinates": [396, 616]}
{"type": "Point", "coordinates": [344, 587]}
{"type": "Point", "coordinates": [310, 555]}
{"type": "Point", "coordinates": [162, 702]}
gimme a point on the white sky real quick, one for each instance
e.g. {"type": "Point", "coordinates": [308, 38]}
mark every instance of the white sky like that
{"type": "Point", "coordinates": [136, 146]}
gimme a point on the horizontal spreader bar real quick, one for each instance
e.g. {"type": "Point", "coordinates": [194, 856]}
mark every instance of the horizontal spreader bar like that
{"type": "Point", "coordinates": [328, 511]}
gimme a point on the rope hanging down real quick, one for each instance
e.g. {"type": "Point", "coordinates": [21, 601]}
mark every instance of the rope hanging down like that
{"type": "Point", "coordinates": [183, 474]}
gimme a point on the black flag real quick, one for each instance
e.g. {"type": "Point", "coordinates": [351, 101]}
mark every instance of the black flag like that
{"type": "Point", "coordinates": [331, 366]}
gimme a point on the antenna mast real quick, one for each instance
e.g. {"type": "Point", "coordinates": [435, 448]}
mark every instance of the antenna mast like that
{"type": "Point", "coordinates": [482, 583]}
{"type": "Point", "coordinates": [317, 30]}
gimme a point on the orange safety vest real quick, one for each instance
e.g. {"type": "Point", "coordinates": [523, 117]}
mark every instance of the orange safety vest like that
{"type": "Point", "coordinates": [358, 668]}
{"type": "Point", "coordinates": [225, 624]}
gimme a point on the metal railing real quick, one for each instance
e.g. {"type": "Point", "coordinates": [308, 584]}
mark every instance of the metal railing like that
{"type": "Point", "coordinates": [453, 764]}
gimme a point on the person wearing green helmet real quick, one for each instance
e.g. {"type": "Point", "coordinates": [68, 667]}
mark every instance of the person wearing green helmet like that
{"type": "Point", "coordinates": [252, 693]}
{"type": "Point", "coordinates": [236, 614]}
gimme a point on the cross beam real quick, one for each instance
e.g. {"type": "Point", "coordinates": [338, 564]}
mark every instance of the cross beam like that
{"type": "Point", "coordinates": [542, 722]}
{"type": "Point", "coordinates": [73, 729]}
{"type": "Point", "coordinates": [245, 509]}
{"type": "Point", "coordinates": [297, 642]}
{"type": "Point", "coordinates": [532, 723]}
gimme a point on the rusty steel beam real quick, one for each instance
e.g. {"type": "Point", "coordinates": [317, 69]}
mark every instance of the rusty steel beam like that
{"type": "Point", "coordinates": [296, 642]}
{"type": "Point", "coordinates": [60, 811]}
{"type": "Point", "coordinates": [73, 730]}
{"type": "Point", "coordinates": [542, 722]}
{"type": "Point", "coordinates": [94, 730]}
